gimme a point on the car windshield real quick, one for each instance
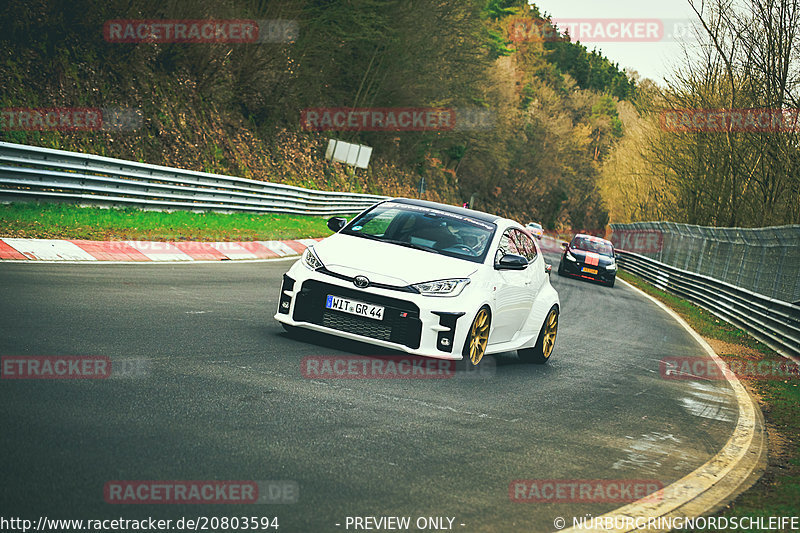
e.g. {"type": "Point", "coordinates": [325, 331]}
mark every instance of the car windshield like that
{"type": "Point", "coordinates": [425, 228]}
{"type": "Point", "coordinates": [591, 244]}
{"type": "Point", "coordinates": [535, 225]}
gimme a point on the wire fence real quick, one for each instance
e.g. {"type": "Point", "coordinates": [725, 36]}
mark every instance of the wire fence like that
{"type": "Point", "coordinates": [772, 321]}
{"type": "Point", "coordinates": [763, 260]}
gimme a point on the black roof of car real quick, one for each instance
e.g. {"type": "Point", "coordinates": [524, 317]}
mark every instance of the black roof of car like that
{"type": "Point", "coordinates": [592, 237]}
{"type": "Point", "coordinates": [478, 215]}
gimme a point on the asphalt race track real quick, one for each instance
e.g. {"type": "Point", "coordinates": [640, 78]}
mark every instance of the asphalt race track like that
{"type": "Point", "coordinates": [223, 398]}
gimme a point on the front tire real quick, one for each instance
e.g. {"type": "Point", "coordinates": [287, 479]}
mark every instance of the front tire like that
{"type": "Point", "coordinates": [478, 337]}
{"type": "Point", "coordinates": [541, 352]}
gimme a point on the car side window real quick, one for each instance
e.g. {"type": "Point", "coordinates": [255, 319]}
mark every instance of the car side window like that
{"type": "Point", "coordinates": [380, 223]}
{"type": "Point", "coordinates": [508, 244]}
{"type": "Point", "coordinates": [525, 245]}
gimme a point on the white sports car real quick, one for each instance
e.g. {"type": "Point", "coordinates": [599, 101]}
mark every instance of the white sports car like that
{"type": "Point", "coordinates": [428, 279]}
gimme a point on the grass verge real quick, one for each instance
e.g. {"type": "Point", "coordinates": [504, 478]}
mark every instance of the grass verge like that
{"type": "Point", "coordinates": [777, 493]}
{"type": "Point", "coordinates": [67, 221]}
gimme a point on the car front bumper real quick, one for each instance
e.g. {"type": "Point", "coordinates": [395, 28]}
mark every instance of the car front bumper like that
{"type": "Point", "coordinates": [576, 269]}
{"type": "Point", "coordinates": [420, 325]}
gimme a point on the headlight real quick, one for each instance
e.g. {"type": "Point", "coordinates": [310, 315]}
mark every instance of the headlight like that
{"type": "Point", "coordinates": [570, 256]}
{"type": "Point", "coordinates": [442, 287]}
{"type": "Point", "coordinates": [612, 266]}
{"type": "Point", "coordinates": [310, 259]}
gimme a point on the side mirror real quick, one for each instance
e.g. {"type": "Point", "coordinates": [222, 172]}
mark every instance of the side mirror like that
{"type": "Point", "coordinates": [336, 223]}
{"type": "Point", "coordinates": [564, 245]}
{"type": "Point", "coordinates": [511, 262]}
{"type": "Point", "coordinates": [548, 269]}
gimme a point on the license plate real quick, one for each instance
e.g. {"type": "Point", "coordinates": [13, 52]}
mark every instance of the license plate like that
{"type": "Point", "coordinates": [589, 270]}
{"type": "Point", "coordinates": [354, 307]}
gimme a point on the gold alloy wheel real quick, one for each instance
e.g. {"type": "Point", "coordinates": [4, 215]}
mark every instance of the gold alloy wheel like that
{"type": "Point", "coordinates": [550, 330]}
{"type": "Point", "coordinates": [479, 336]}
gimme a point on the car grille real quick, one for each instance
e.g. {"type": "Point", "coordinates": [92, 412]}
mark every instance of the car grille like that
{"type": "Point", "coordinates": [400, 324]}
{"type": "Point", "coordinates": [576, 267]}
{"type": "Point", "coordinates": [360, 326]}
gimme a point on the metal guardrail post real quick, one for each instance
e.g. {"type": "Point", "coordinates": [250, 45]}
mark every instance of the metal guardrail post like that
{"type": "Point", "coordinates": [731, 248]}
{"type": "Point", "coordinates": [779, 276]}
{"type": "Point", "coordinates": [761, 263]}
{"type": "Point", "coordinates": [747, 252]}
{"type": "Point", "coordinates": [699, 267]}
{"type": "Point", "coordinates": [796, 297]}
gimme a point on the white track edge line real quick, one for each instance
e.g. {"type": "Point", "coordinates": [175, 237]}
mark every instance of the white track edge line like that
{"type": "Point", "coordinates": [736, 447]}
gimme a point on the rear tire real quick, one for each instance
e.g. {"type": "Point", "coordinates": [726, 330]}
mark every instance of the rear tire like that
{"type": "Point", "coordinates": [611, 283]}
{"type": "Point", "coordinates": [541, 352]}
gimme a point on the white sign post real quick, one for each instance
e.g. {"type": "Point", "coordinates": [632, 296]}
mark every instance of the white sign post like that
{"type": "Point", "coordinates": [356, 155]}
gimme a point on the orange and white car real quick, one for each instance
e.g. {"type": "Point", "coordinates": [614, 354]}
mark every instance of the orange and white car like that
{"type": "Point", "coordinates": [589, 257]}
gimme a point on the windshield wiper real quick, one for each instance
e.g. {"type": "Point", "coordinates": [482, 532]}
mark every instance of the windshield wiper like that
{"type": "Point", "coordinates": [412, 245]}
{"type": "Point", "coordinates": [394, 241]}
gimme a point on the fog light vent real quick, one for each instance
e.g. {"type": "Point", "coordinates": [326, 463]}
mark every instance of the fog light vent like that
{"type": "Point", "coordinates": [444, 340]}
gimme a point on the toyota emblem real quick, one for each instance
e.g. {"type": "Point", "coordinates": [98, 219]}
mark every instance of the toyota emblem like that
{"type": "Point", "coordinates": [361, 282]}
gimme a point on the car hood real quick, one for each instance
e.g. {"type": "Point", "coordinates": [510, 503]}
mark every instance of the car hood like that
{"type": "Point", "coordinates": [591, 257]}
{"type": "Point", "coordinates": [388, 263]}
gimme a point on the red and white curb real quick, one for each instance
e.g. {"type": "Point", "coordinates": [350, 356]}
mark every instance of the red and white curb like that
{"type": "Point", "coordinates": [81, 250]}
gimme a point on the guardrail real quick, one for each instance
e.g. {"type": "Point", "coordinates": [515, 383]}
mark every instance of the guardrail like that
{"type": "Point", "coordinates": [773, 322]}
{"type": "Point", "coordinates": [56, 175]}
